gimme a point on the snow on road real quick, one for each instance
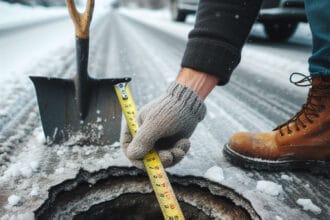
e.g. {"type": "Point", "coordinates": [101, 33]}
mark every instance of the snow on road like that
{"type": "Point", "coordinates": [308, 205]}
{"type": "Point", "coordinates": [269, 187]}
{"type": "Point", "coordinates": [28, 50]}
{"type": "Point", "coordinates": [215, 174]}
{"type": "Point", "coordinates": [23, 51]}
{"type": "Point", "coordinates": [17, 15]}
{"type": "Point", "coordinates": [14, 200]}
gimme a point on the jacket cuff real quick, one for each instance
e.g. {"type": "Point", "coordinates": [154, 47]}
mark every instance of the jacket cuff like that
{"type": "Point", "coordinates": [211, 57]}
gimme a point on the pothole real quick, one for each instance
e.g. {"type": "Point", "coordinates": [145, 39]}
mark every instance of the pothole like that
{"type": "Point", "coordinates": [135, 206]}
{"type": "Point", "coordinates": [125, 194]}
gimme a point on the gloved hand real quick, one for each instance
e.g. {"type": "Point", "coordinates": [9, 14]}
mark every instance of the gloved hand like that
{"type": "Point", "coordinates": [166, 124]}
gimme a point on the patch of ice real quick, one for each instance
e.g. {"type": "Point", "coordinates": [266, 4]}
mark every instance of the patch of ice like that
{"type": "Point", "coordinates": [92, 181]}
{"type": "Point", "coordinates": [26, 216]}
{"type": "Point", "coordinates": [71, 165]}
{"type": "Point", "coordinates": [34, 165]}
{"type": "Point", "coordinates": [212, 115]}
{"type": "Point", "coordinates": [89, 151]}
{"type": "Point", "coordinates": [215, 174]}
{"type": "Point", "coordinates": [5, 217]}
{"type": "Point", "coordinates": [278, 218]}
{"type": "Point", "coordinates": [59, 170]}
{"type": "Point", "coordinates": [21, 169]}
{"type": "Point", "coordinates": [13, 200]}
{"type": "Point", "coordinates": [60, 152]}
{"type": "Point", "coordinates": [308, 205]}
{"type": "Point", "coordinates": [35, 190]}
{"type": "Point", "coordinates": [286, 177]}
{"type": "Point", "coordinates": [115, 144]}
{"type": "Point", "coordinates": [40, 137]}
{"type": "Point", "coordinates": [26, 172]}
{"type": "Point", "coordinates": [22, 216]}
{"type": "Point", "coordinates": [269, 187]}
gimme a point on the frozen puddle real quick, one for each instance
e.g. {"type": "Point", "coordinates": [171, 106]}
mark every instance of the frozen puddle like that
{"type": "Point", "coordinates": [125, 193]}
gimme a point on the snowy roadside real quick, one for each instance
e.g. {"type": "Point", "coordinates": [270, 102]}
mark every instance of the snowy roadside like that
{"type": "Point", "coordinates": [15, 15]}
{"type": "Point", "coordinates": [45, 33]}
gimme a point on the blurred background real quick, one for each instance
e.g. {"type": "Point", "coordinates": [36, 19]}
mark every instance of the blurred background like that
{"type": "Point", "coordinates": [37, 2]}
{"type": "Point", "coordinates": [131, 3]}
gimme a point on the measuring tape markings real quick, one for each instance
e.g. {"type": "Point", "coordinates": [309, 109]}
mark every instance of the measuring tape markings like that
{"type": "Point", "coordinates": [155, 170]}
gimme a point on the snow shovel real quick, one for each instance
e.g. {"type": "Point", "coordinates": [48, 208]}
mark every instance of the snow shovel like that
{"type": "Point", "coordinates": [81, 110]}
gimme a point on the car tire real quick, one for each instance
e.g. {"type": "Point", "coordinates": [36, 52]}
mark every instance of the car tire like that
{"type": "Point", "coordinates": [177, 14]}
{"type": "Point", "coordinates": [280, 31]}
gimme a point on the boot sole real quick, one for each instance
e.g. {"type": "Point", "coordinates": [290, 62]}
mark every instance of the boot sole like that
{"type": "Point", "coordinates": [314, 166]}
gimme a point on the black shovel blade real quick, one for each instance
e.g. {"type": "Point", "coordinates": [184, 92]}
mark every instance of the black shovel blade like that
{"type": "Point", "coordinates": [60, 116]}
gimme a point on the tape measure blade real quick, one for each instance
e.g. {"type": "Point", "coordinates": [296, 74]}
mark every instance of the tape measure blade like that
{"type": "Point", "coordinates": [165, 195]}
{"type": "Point", "coordinates": [162, 187]}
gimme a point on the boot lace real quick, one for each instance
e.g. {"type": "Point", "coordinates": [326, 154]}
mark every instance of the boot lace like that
{"type": "Point", "coordinates": [308, 110]}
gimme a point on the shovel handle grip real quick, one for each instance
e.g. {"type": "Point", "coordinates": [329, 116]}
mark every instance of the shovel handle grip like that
{"type": "Point", "coordinates": [81, 21]}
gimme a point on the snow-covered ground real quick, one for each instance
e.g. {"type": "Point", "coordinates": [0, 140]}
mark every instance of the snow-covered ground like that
{"type": "Point", "coordinates": [269, 187]}
{"type": "Point", "coordinates": [26, 48]}
{"type": "Point", "coordinates": [26, 51]}
{"type": "Point", "coordinates": [141, 43]}
{"type": "Point", "coordinates": [17, 15]}
{"type": "Point", "coordinates": [308, 205]}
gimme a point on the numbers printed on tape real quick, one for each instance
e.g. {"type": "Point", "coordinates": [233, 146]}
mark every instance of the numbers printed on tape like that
{"type": "Point", "coordinates": [156, 172]}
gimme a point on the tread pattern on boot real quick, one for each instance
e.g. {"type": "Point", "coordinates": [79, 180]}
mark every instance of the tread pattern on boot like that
{"type": "Point", "coordinates": [314, 166]}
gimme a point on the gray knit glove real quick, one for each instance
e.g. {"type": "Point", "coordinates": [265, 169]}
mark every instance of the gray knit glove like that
{"type": "Point", "coordinates": [166, 124]}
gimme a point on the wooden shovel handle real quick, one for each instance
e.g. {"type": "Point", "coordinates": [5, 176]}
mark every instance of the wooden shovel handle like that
{"type": "Point", "coordinates": [81, 20]}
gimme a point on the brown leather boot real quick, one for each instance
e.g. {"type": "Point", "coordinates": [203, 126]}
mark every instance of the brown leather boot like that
{"type": "Point", "coordinates": [302, 143]}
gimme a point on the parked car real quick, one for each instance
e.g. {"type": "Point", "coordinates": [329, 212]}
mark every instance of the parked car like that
{"type": "Point", "coordinates": [279, 17]}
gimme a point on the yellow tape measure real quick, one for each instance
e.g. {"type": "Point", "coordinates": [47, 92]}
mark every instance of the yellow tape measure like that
{"type": "Point", "coordinates": [162, 187]}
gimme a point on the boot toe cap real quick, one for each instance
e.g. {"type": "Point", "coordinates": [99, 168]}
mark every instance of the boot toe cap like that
{"type": "Point", "coordinates": [239, 142]}
{"type": "Point", "coordinates": [257, 145]}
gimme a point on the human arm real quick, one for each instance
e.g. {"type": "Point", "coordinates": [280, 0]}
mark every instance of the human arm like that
{"type": "Point", "coordinates": [212, 53]}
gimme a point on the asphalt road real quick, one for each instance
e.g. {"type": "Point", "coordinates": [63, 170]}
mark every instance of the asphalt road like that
{"type": "Point", "coordinates": [258, 97]}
